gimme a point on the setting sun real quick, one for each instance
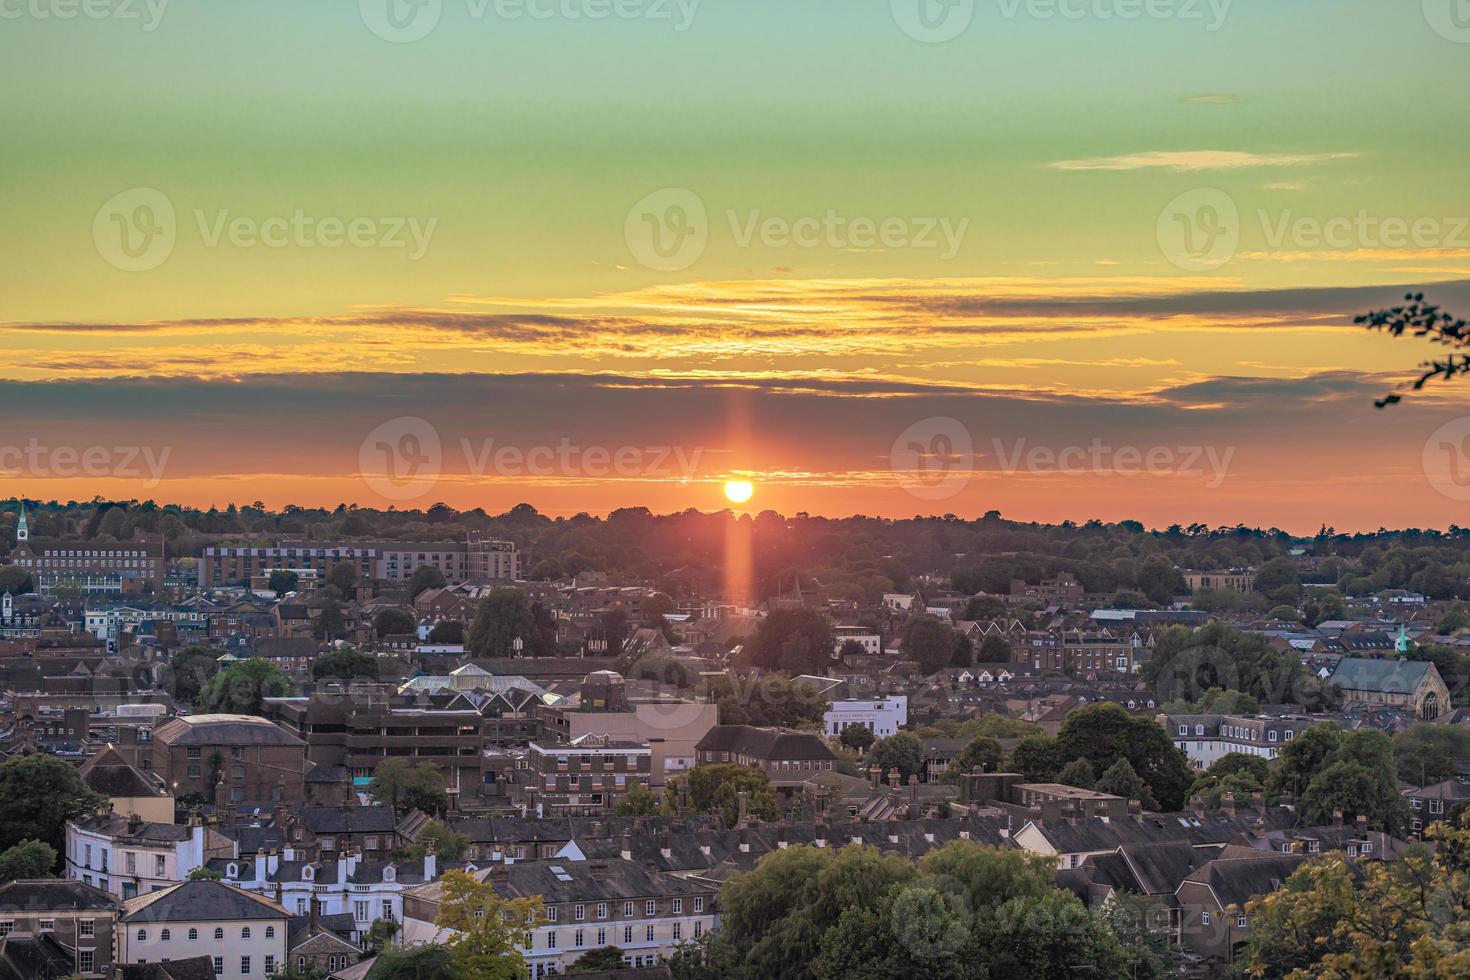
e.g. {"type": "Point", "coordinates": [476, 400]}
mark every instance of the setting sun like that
{"type": "Point", "coordinates": [739, 491]}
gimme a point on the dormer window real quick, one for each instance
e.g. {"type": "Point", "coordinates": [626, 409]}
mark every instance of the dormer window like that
{"type": "Point", "coordinates": [388, 873]}
{"type": "Point", "coordinates": [306, 873]}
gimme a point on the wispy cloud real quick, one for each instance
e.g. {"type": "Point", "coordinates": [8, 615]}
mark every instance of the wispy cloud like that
{"type": "Point", "coordinates": [1194, 160]}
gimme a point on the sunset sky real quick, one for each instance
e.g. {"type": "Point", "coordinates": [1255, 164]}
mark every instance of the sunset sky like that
{"type": "Point", "coordinates": [1137, 238]}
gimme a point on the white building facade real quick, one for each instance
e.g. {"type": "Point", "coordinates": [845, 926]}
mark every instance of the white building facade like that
{"type": "Point", "coordinates": [883, 716]}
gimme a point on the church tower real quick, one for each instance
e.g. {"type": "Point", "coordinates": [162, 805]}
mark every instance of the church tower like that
{"type": "Point", "coordinates": [22, 530]}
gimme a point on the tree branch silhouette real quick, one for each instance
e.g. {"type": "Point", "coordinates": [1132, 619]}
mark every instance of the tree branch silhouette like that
{"type": "Point", "coordinates": [1423, 320]}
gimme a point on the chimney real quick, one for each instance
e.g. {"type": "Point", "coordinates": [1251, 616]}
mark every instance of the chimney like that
{"type": "Point", "coordinates": [1227, 803]}
{"type": "Point", "coordinates": [627, 851]}
{"type": "Point", "coordinates": [706, 840]}
{"type": "Point", "coordinates": [743, 812]}
{"type": "Point", "coordinates": [665, 845]}
{"type": "Point", "coordinates": [744, 840]}
{"type": "Point", "coordinates": [895, 778]}
{"type": "Point", "coordinates": [1135, 810]}
{"type": "Point", "coordinates": [315, 914]}
{"type": "Point", "coordinates": [683, 808]}
{"type": "Point", "coordinates": [1288, 801]}
{"type": "Point", "coordinates": [1337, 818]}
{"type": "Point", "coordinates": [431, 861]}
{"type": "Point", "coordinates": [272, 861]}
{"type": "Point", "coordinates": [135, 823]}
{"type": "Point", "coordinates": [1361, 823]}
{"type": "Point", "coordinates": [278, 893]}
{"type": "Point", "coordinates": [259, 866]}
{"type": "Point", "coordinates": [875, 776]}
{"type": "Point", "coordinates": [913, 788]}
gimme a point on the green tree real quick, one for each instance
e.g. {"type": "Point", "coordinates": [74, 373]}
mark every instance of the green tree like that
{"type": "Point", "coordinates": [282, 580]}
{"type": "Point", "coordinates": [1037, 758]}
{"type": "Point", "coordinates": [902, 751]}
{"type": "Point", "coordinates": [241, 687]}
{"type": "Point", "coordinates": [996, 650]}
{"type": "Point", "coordinates": [1329, 769]}
{"type": "Point", "coordinates": [28, 859]}
{"type": "Point", "coordinates": [983, 752]}
{"type": "Point", "coordinates": [393, 620]}
{"type": "Point", "coordinates": [775, 916]}
{"type": "Point", "coordinates": [204, 874]}
{"type": "Point", "coordinates": [930, 642]}
{"type": "Point", "coordinates": [850, 648]}
{"type": "Point", "coordinates": [1103, 733]}
{"type": "Point", "coordinates": [1049, 936]}
{"type": "Point", "coordinates": [15, 580]}
{"type": "Point", "coordinates": [984, 607]}
{"type": "Point", "coordinates": [1279, 580]}
{"type": "Point", "coordinates": [1425, 754]}
{"type": "Point", "coordinates": [857, 736]}
{"type": "Point", "coordinates": [639, 801]}
{"type": "Point", "coordinates": [343, 576]}
{"type": "Point", "coordinates": [798, 641]}
{"type": "Point", "coordinates": [595, 960]}
{"type": "Point", "coordinates": [501, 619]}
{"type": "Point", "coordinates": [425, 577]}
{"type": "Point", "coordinates": [38, 795]}
{"type": "Point", "coordinates": [400, 784]}
{"type": "Point", "coordinates": [1160, 581]}
{"type": "Point", "coordinates": [1141, 926]}
{"type": "Point", "coordinates": [448, 631]}
{"type": "Point", "coordinates": [188, 670]}
{"type": "Point", "coordinates": [1078, 773]}
{"type": "Point", "coordinates": [716, 789]}
{"type": "Point", "coordinates": [486, 928]}
{"type": "Point", "coordinates": [1119, 779]}
{"type": "Point", "coordinates": [331, 622]}
{"type": "Point", "coordinates": [380, 935]}
{"type": "Point", "coordinates": [767, 701]}
{"type": "Point", "coordinates": [449, 845]}
{"type": "Point", "coordinates": [429, 961]}
{"type": "Point", "coordinates": [345, 663]}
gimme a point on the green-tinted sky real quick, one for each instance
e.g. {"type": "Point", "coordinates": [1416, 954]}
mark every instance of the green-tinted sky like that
{"type": "Point", "coordinates": [1064, 153]}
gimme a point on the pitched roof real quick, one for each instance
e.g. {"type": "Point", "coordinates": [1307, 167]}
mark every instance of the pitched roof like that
{"type": "Point", "coordinates": [1384, 676]}
{"type": "Point", "coordinates": [109, 773]}
{"type": "Point", "coordinates": [348, 819]}
{"type": "Point", "coordinates": [193, 968]}
{"type": "Point", "coordinates": [53, 894]}
{"type": "Point", "coordinates": [200, 901]}
{"type": "Point", "coordinates": [764, 743]}
{"type": "Point", "coordinates": [1235, 881]}
{"type": "Point", "coordinates": [222, 729]}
